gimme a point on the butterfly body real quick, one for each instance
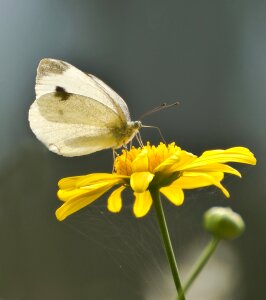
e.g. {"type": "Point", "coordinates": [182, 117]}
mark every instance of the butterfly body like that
{"type": "Point", "coordinates": [76, 113]}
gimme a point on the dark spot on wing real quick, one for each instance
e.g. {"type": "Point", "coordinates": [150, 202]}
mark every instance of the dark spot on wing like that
{"type": "Point", "coordinates": [61, 93]}
{"type": "Point", "coordinates": [60, 89]}
{"type": "Point", "coordinates": [60, 112]}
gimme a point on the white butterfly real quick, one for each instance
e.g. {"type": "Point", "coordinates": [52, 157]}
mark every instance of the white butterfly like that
{"type": "Point", "coordinates": [76, 113]}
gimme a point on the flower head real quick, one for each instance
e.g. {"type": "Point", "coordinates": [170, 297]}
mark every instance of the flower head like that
{"type": "Point", "coordinates": [168, 167]}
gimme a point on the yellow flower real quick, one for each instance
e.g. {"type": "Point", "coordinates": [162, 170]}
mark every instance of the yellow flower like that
{"type": "Point", "coordinates": [167, 167]}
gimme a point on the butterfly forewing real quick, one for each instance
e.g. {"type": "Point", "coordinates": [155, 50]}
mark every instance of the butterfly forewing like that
{"type": "Point", "coordinates": [118, 102]}
{"type": "Point", "coordinates": [55, 74]}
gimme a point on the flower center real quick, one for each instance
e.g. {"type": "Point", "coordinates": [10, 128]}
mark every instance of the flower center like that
{"type": "Point", "coordinates": [143, 159]}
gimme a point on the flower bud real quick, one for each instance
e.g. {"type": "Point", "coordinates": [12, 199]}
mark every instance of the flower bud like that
{"type": "Point", "coordinates": [223, 223]}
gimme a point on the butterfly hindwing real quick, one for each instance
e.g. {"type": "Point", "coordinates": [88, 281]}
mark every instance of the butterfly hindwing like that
{"type": "Point", "coordinates": [72, 125]}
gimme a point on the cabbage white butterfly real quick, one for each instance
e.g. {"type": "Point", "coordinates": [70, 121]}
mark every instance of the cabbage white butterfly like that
{"type": "Point", "coordinates": [76, 113]}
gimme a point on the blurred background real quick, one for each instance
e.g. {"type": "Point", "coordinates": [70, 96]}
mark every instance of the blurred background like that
{"type": "Point", "coordinates": [210, 56]}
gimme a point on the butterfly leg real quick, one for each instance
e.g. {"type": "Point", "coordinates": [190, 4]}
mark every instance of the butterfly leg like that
{"type": "Point", "coordinates": [139, 139]}
{"type": "Point", "coordinates": [115, 154]}
{"type": "Point", "coordinates": [157, 128]}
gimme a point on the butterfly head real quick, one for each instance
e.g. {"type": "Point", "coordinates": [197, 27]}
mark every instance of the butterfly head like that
{"type": "Point", "coordinates": [126, 133]}
{"type": "Point", "coordinates": [135, 124]}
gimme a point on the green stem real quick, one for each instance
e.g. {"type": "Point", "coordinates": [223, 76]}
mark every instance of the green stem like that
{"type": "Point", "coordinates": [166, 240]}
{"type": "Point", "coordinates": [202, 260]}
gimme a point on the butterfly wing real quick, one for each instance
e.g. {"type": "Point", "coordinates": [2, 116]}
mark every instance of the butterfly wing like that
{"type": "Point", "coordinates": [73, 125]}
{"type": "Point", "coordinates": [76, 113]}
{"type": "Point", "coordinates": [56, 75]}
{"type": "Point", "coordinates": [120, 104]}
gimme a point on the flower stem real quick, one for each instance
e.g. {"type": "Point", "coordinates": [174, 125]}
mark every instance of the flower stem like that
{"type": "Point", "coordinates": [166, 240]}
{"type": "Point", "coordinates": [202, 260]}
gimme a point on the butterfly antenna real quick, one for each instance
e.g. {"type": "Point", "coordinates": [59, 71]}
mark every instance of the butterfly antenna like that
{"type": "Point", "coordinates": [158, 108]}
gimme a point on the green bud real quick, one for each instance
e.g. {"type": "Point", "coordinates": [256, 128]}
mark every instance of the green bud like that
{"type": "Point", "coordinates": [223, 223]}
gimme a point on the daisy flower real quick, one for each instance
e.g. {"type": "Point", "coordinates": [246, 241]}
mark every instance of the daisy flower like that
{"type": "Point", "coordinates": [165, 167]}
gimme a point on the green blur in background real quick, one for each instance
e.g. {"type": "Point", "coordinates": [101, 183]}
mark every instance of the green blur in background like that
{"type": "Point", "coordinates": [208, 55]}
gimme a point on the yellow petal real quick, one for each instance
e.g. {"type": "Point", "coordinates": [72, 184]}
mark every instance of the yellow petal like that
{"type": "Point", "coordinates": [68, 182]}
{"type": "Point", "coordinates": [85, 180]}
{"type": "Point", "coordinates": [191, 180]}
{"type": "Point", "coordinates": [114, 203]}
{"type": "Point", "coordinates": [66, 195]}
{"type": "Point", "coordinates": [214, 168]}
{"type": "Point", "coordinates": [77, 199]}
{"type": "Point", "coordinates": [236, 154]}
{"type": "Point", "coordinates": [173, 163]}
{"type": "Point", "coordinates": [98, 178]}
{"type": "Point", "coordinates": [141, 162]}
{"type": "Point", "coordinates": [168, 163]}
{"type": "Point", "coordinates": [174, 193]}
{"type": "Point", "coordinates": [140, 181]}
{"type": "Point", "coordinates": [142, 204]}
{"type": "Point", "coordinates": [69, 194]}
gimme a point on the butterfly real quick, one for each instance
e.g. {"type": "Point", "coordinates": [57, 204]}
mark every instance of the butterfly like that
{"type": "Point", "coordinates": [76, 113]}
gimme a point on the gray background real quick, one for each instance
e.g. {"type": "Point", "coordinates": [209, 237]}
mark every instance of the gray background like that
{"type": "Point", "coordinates": [209, 55]}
